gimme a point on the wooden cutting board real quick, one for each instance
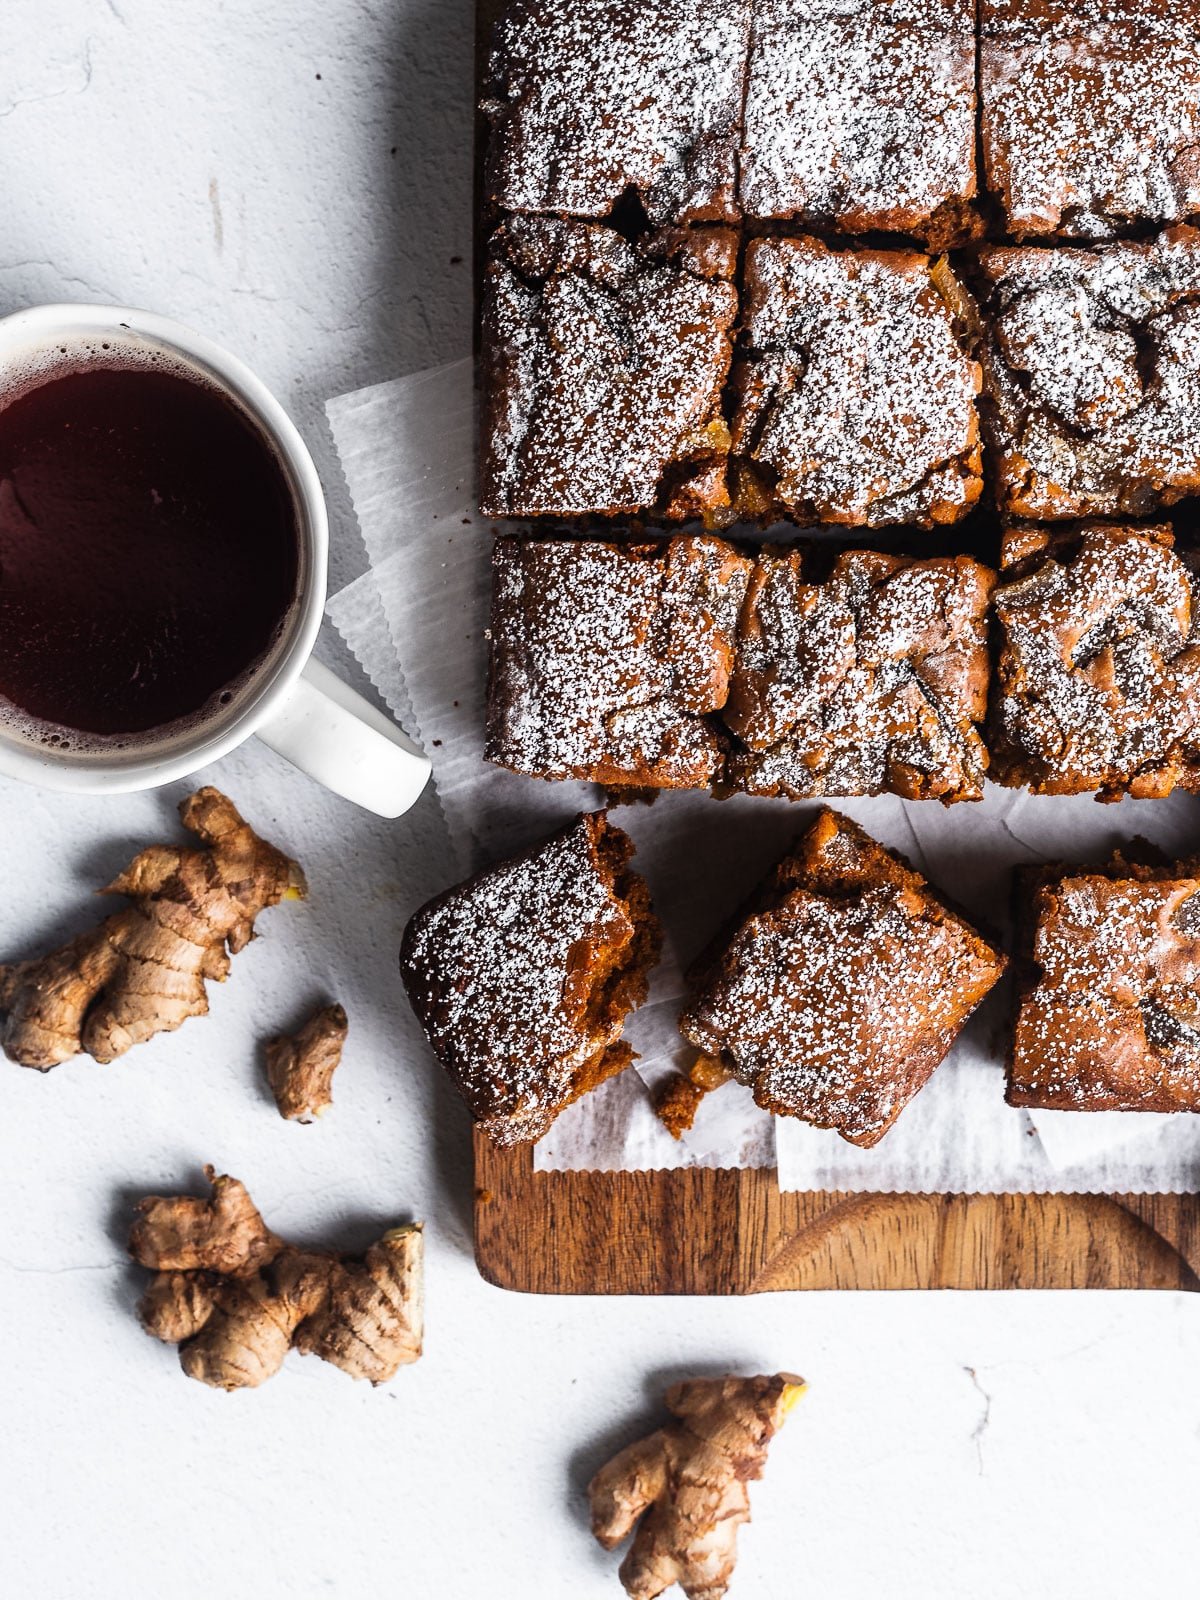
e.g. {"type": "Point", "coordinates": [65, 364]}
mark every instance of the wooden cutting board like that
{"type": "Point", "coordinates": [733, 1232]}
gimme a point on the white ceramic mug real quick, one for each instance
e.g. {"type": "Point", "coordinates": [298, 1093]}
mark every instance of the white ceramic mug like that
{"type": "Point", "coordinates": [294, 704]}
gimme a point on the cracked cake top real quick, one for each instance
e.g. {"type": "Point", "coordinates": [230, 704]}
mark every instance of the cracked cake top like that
{"type": "Point", "coordinates": [843, 988]}
{"type": "Point", "coordinates": [860, 114]}
{"type": "Point", "coordinates": [1091, 113]}
{"type": "Point", "coordinates": [522, 976]}
{"type": "Point", "coordinates": [1109, 1013]}
{"type": "Point", "coordinates": [1092, 365]}
{"type": "Point", "coordinates": [856, 399]}
{"type": "Point", "coordinates": [870, 681]}
{"type": "Point", "coordinates": [607, 659]}
{"type": "Point", "coordinates": [603, 365]}
{"type": "Point", "coordinates": [590, 100]}
{"type": "Point", "coordinates": [1098, 673]}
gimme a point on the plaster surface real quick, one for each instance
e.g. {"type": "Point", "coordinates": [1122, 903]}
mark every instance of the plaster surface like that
{"type": "Point", "coordinates": [294, 178]}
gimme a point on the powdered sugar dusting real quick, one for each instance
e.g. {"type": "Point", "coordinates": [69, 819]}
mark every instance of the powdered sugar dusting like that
{"type": "Point", "coordinates": [857, 399]}
{"type": "Point", "coordinates": [860, 112]}
{"type": "Point", "coordinates": [492, 969]}
{"type": "Point", "coordinates": [1113, 1021]}
{"type": "Point", "coordinates": [690, 664]}
{"type": "Point", "coordinates": [836, 1006]}
{"type": "Point", "coordinates": [871, 681]}
{"type": "Point", "coordinates": [1099, 671]}
{"type": "Point", "coordinates": [594, 97]}
{"type": "Point", "coordinates": [1094, 376]}
{"type": "Point", "coordinates": [606, 659]}
{"type": "Point", "coordinates": [604, 363]}
{"type": "Point", "coordinates": [1091, 113]}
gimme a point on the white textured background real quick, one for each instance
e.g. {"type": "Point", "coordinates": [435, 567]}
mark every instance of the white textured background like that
{"type": "Point", "coordinates": [293, 176]}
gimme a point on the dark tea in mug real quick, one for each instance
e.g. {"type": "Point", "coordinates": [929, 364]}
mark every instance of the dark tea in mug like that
{"type": "Point", "coordinates": [149, 547]}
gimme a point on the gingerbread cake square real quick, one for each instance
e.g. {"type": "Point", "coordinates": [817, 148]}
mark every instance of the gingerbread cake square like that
{"type": "Point", "coordinates": [871, 681]}
{"type": "Point", "coordinates": [592, 102]}
{"type": "Point", "coordinates": [843, 987]}
{"type": "Point", "coordinates": [860, 115]}
{"type": "Point", "coordinates": [608, 660]}
{"type": "Point", "coordinates": [523, 976]}
{"type": "Point", "coordinates": [1091, 114]}
{"type": "Point", "coordinates": [1092, 370]}
{"type": "Point", "coordinates": [1109, 988]}
{"type": "Point", "coordinates": [1098, 669]}
{"type": "Point", "coordinates": [856, 394]}
{"type": "Point", "coordinates": [604, 360]}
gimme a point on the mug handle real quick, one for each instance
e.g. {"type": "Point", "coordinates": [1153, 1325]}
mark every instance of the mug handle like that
{"type": "Point", "coordinates": [347, 744]}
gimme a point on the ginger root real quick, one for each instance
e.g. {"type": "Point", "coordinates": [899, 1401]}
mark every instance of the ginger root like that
{"type": "Point", "coordinates": [236, 1298]}
{"type": "Point", "coordinates": [687, 1484]}
{"type": "Point", "coordinates": [300, 1066]}
{"type": "Point", "coordinates": [143, 970]}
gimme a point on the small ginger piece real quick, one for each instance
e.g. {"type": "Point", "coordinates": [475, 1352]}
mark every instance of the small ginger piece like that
{"type": "Point", "coordinates": [224, 1235]}
{"type": "Point", "coordinates": [176, 1306]}
{"type": "Point", "coordinates": [677, 1098]}
{"type": "Point", "coordinates": [143, 970]}
{"type": "Point", "coordinates": [300, 1066]}
{"type": "Point", "coordinates": [365, 1322]}
{"type": "Point", "coordinates": [685, 1486]}
{"type": "Point", "coordinates": [235, 1298]}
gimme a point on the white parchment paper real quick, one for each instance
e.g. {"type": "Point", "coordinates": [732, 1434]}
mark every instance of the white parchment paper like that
{"type": "Point", "coordinates": [416, 621]}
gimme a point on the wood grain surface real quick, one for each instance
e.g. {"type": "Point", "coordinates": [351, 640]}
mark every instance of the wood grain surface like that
{"type": "Point", "coordinates": [733, 1232]}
